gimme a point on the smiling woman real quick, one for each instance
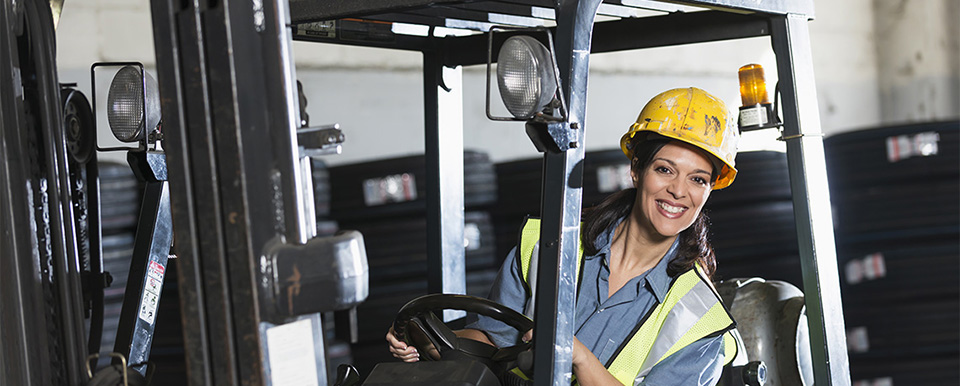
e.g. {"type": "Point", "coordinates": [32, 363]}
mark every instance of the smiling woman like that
{"type": "Point", "coordinates": [646, 312]}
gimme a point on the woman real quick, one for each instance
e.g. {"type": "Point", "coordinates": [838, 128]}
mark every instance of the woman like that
{"type": "Point", "coordinates": [646, 312]}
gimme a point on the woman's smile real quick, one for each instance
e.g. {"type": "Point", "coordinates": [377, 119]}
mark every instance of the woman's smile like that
{"type": "Point", "coordinates": [671, 209]}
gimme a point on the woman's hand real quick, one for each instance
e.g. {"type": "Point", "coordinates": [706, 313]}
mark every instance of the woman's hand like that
{"type": "Point", "coordinates": [401, 350]}
{"type": "Point", "coordinates": [588, 369]}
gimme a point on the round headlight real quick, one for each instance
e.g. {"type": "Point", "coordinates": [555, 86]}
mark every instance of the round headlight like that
{"type": "Point", "coordinates": [525, 76]}
{"type": "Point", "coordinates": [129, 114]}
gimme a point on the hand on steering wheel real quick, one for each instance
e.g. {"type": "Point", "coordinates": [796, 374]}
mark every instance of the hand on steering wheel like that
{"type": "Point", "coordinates": [430, 339]}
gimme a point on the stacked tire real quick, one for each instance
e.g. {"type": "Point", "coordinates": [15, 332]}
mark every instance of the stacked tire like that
{"type": "Point", "coordinates": [120, 197]}
{"type": "Point", "coordinates": [753, 231]}
{"type": "Point", "coordinates": [895, 194]}
{"type": "Point", "coordinates": [386, 201]}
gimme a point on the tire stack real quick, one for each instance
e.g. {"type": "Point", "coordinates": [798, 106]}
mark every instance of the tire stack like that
{"type": "Point", "coordinates": [321, 198]}
{"type": "Point", "coordinates": [120, 197]}
{"type": "Point", "coordinates": [385, 201]}
{"type": "Point", "coordinates": [337, 351]}
{"type": "Point", "coordinates": [167, 351]}
{"type": "Point", "coordinates": [895, 195]}
{"type": "Point", "coordinates": [752, 224]}
{"type": "Point", "coordinates": [518, 184]}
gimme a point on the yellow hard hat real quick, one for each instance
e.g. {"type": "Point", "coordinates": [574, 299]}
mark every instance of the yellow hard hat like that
{"type": "Point", "coordinates": [693, 116]}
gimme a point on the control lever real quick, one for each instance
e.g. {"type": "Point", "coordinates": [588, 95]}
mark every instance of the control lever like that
{"type": "Point", "coordinates": [347, 375]}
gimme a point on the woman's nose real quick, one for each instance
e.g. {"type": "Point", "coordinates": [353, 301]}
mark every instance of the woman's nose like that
{"type": "Point", "coordinates": [676, 188]}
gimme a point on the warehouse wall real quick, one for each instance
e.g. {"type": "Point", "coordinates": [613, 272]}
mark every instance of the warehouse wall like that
{"type": "Point", "coordinates": [865, 76]}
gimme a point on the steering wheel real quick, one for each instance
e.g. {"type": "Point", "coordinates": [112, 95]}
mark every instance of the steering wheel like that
{"type": "Point", "coordinates": [417, 325]}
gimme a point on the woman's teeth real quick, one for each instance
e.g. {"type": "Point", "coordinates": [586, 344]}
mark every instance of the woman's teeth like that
{"type": "Point", "coordinates": [669, 208]}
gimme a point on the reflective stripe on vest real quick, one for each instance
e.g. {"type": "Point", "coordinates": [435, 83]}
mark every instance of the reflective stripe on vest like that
{"type": "Point", "coordinates": [691, 310]}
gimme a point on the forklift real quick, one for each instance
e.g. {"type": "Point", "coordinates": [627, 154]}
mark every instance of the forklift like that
{"type": "Point", "coordinates": [254, 277]}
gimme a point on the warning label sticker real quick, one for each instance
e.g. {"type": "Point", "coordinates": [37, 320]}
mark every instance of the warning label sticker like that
{"type": "Point", "coordinates": [151, 292]}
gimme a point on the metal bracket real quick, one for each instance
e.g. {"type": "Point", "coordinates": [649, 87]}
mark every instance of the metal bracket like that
{"type": "Point", "coordinates": [552, 137]}
{"type": "Point", "coordinates": [325, 274]}
{"type": "Point", "coordinates": [789, 137]}
{"type": "Point", "coordinates": [315, 141]}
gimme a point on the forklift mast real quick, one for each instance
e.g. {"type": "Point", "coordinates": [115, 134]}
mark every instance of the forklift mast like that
{"type": "Point", "coordinates": [230, 118]}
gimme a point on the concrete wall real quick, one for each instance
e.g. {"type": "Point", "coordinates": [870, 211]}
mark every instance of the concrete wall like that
{"type": "Point", "coordinates": [376, 94]}
{"type": "Point", "coordinates": [918, 59]}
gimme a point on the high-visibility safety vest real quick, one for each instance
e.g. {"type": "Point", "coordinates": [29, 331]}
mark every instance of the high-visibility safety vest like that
{"type": "Point", "coordinates": [690, 311]}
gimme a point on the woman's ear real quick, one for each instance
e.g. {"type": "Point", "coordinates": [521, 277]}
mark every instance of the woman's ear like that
{"type": "Point", "coordinates": [633, 171]}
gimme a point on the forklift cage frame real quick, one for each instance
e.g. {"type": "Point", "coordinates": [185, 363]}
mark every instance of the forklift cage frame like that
{"type": "Point", "coordinates": [193, 62]}
{"type": "Point", "coordinates": [229, 102]}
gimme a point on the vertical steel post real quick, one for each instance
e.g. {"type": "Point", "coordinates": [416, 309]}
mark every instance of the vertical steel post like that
{"type": "Point", "coordinates": [48, 114]}
{"type": "Point", "coordinates": [811, 199]}
{"type": "Point", "coordinates": [189, 144]}
{"type": "Point", "coordinates": [230, 113]}
{"type": "Point", "coordinates": [443, 118]}
{"type": "Point", "coordinates": [147, 270]}
{"type": "Point", "coordinates": [23, 326]}
{"type": "Point", "coordinates": [285, 118]}
{"type": "Point", "coordinates": [561, 202]}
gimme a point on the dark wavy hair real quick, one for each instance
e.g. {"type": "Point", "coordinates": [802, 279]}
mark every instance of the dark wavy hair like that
{"type": "Point", "coordinates": [694, 241]}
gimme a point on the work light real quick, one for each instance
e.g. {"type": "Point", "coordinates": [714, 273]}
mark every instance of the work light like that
{"type": "Point", "coordinates": [526, 76]}
{"type": "Point", "coordinates": [133, 104]}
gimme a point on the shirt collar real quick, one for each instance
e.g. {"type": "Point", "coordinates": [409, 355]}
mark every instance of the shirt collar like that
{"type": "Point", "coordinates": [657, 277]}
{"type": "Point", "coordinates": [603, 241]}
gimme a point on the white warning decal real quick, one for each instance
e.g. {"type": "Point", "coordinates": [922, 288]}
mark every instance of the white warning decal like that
{"type": "Point", "coordinates": [151, 292]}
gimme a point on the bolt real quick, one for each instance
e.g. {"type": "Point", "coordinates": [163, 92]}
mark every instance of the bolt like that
{"type": "Point", "coordinates": [573, 145]}
{"type": "Point", "coordinates": [575, 126]}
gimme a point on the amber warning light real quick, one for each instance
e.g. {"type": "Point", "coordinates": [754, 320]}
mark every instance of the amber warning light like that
{"type": "Point", "coordinates": [756, 112]}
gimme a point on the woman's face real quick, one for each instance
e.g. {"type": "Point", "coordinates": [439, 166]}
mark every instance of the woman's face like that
{"type": "Point", "coordinates": [673, 188]}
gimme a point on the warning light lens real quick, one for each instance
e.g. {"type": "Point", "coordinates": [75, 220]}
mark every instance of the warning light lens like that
{"type": "Point", "coordinates": [753, 88]}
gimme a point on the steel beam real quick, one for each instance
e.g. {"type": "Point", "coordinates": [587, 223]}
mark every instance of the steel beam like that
{"type": "Point", "coordinates": [779, 7]}
{"type": "Point", "coordinates": [145, 281]}
{"type": "Point", "coordinates": [303, 32]}
{"type": "Point", "coordinates": [554, 308]}
{"type": "Point", "coordinates": [48, 115]}
{"type": "Point", "coordinates": [628, 34]}
{"type": "Point", "coordinates": [443, 118]}
{"type": "Point", "coordinates": [227, 78]}
{"type": "Point", "coordinates": [23, 326]}
{"type": "Point", "coordinates": [195, 202]}
{"type": "Point", "coordinates": [811, 199]}
{"type": "Point", "coordinates": [316, 10]}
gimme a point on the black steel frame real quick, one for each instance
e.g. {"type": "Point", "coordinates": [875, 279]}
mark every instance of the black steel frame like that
{"type": "Point", "coordinates": [148, 265]}
{"type": "Point", "coordinates": [226, 92]}
{"type": "Point", "coordinates": [42, 337]}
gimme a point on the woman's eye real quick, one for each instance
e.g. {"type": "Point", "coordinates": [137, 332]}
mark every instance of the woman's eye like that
{"type": "Point", "coordinates": [700, 180]}
{"type": "Point", "coordinates": [662, 169]}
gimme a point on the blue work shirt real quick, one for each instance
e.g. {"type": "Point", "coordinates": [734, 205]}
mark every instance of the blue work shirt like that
{"type": "Point", "coordinates": [602, 323]}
